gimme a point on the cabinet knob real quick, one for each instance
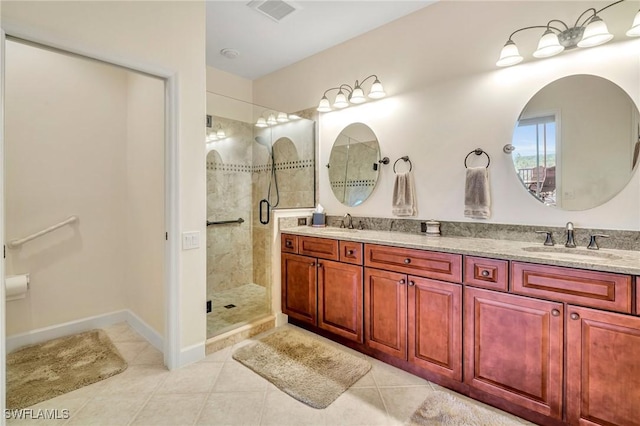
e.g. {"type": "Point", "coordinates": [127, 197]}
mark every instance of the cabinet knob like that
{"type": "Point", "coordinates": [555, 312]}
{"type": "Point", "coordinates": [319, 265]}
{"type": "Point", "coordinates": [574, 316]}
{"type": "Point", "coordinates": [350, 252]}
{"type": "Point", "coordinates": [484, 273]}
{"type": "Point", "coordinates": [407, 261]}
{"type": "Point", "coordinates": [412, 283]}
{"type": "Point", "coordinates": [312, 264]}
{"type": "Point", "coordinates": [288, 244]}
{"type": "Point", "coordinates": [402, 281]}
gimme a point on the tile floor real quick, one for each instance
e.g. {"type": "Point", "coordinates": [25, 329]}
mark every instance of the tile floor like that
{"type": "Point", "coordinates": [251, 303]}
{"type": "Point", "coordinates": [220, 391]}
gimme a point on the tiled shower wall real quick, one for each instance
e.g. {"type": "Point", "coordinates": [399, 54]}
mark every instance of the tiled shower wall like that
{"type": "Point", "coordinates": [238, 174]}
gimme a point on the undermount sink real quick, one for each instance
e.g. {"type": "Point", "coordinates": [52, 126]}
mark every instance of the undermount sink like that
{"type": "Point", "coordinates": [571, 253]}
{"type": "Point", "coordinates": [337, 230]}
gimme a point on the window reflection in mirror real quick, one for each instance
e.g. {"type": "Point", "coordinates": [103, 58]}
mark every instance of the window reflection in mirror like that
{"type": "Point", "coordinates": [575, 142]}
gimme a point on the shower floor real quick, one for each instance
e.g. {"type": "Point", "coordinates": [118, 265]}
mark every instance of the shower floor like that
{"type": "Point", "coordinates": [250, 302]}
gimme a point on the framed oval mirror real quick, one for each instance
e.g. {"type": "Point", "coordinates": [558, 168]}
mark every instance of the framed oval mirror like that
{"type": "Point", "coordinates": [353, 164]}
{"type": "Point", "coordinates": [577, 142]}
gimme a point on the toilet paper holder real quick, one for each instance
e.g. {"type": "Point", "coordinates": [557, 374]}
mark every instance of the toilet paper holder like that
{"type": "Point", "coordinates": [16, 286]}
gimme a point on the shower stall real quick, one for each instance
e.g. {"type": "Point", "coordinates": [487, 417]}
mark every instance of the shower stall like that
{"type": "Point", "coordinates": [251, 170]}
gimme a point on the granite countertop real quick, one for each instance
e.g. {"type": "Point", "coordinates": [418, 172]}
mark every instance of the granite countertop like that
{"type": "Point", "coordinates": [621, 261]}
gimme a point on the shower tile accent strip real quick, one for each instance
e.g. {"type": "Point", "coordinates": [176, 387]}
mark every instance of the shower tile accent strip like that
{"type": "Point", "coordinates": [286, 165]}
{"type": "Point", "coordinates": [353, 183]}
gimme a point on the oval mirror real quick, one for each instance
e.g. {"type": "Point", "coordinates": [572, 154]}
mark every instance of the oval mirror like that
{"type": "Point", "coordinates": [577, 142]}
{"type": "Point", "coordinates": [353, 164]}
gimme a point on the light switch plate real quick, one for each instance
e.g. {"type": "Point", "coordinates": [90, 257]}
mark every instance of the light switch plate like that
{"type": "Point", "coordinates": [190, 240]}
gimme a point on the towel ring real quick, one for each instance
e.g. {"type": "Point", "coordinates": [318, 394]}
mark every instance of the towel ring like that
{"type": "Point", "coordinates": [406, 159]}
{"type": "Point", "coordinates": [477, 151]}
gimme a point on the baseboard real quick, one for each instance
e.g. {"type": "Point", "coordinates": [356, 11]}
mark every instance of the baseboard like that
{"type": "Point", "coordinates": [85, 324]}
{"type": "Point", "coordinates": [72, 327]}
{"type": "Point", "coordinates": [191, 354]}
{"type": "Point", "coordinates": [281, 319]}
{"type": "Point", "coordinates": [143, 329]}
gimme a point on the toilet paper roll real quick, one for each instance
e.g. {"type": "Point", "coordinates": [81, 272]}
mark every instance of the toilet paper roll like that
{"type": "Point", "coordinates": [16, 286]}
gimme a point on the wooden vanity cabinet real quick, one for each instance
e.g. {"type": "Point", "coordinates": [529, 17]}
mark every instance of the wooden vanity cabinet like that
{"type": "Point", "coordinates": [322, 292]}
{"type": "Point", "coordinates": [513, 349]}
{"type": "Point", "coordinates": [603, 368]}
{"type": "Point", "coordinates": [414, 318]}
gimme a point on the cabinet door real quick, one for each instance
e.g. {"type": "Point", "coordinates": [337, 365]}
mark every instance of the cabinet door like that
{"type": "Point", "coordinates": [299, 287]}
{"type": "Point", "coordinates": [603, 368]}
{"type": "Point", "coordinates": [513, 349]}
{"type": "Point", "coordinates": [435, 326]}
{"type": "Point", "coordinates": [385, 312]}
{"type": "Point", "coordinates": [340, 299]}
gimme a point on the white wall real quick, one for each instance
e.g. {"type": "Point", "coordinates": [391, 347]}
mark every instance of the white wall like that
{"type": "Point", "coordinates": [65, 155]}
{"type": "Point", "coordinates": [168, 37]}
{"type": "Point", "coordinates": [447, 97]}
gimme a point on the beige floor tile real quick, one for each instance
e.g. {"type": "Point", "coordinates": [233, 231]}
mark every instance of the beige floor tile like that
{"type": "Point", "coordinates": [402, 402]}
{"type": "Point", "coordinates": [137, 379]}
{"type": "Point", "coordinates": [171, 410]}
{"type": "Point", "coordinates": [194, 378]}
{"type": "Point", "coordinates": [235, 377]}
{"type": "Point", "coordinates": [122, 332]}
{"type": "Point", "coordinates": [366, 381]}
{"type": "Point", "coordinates": [357, 406]}
{"type": "Point", "coordinates": [283, 410]}
{"type": "Point", "coordinates": [234, 408]}
{"type": "Point", "coordinates": [130, 350]}
{"type": "Point", "coordinates": [387, 375]}
{"type": "Point", "coordinates": [56, 411]}
{"type": "Point", "coordinates": [109, 410]}
{"type": "Point", "coordinates": [148, 356]}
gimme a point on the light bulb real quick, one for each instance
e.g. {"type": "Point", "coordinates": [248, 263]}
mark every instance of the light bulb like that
{"type": "Point", "coordinates": [341, 100]}
{"type": "Point", "coordinates": [595, 34]}
{"type": "Point", "coordinates": [220, 134]}
{"type": "Point", "coordinates": [509, 55]}
{"type": "Point", "coordinates": [282, 117]}
{"type": "Point", "coordinates": [634, 31]}
{"type": "Point", "coordinates": [324, 105]}
{"type": "Point", "coordinates": [548, 45]}
{"type": "Point", "coordinates": [261, 122]}
{"type": "Point", "coordinates": [357, 96]}
{"type": "Point", "coordinates": [377, 91]}
{"type": "Point", "coordinates": [271, 120]}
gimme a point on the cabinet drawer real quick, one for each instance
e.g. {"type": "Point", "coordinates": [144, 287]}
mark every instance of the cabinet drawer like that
{"type": "Point", "coordinates": [602, 290]}
{"type": "Point", "coordinates": [488, 273]}
{"type": "Point", "coordinates": [351, 252]}
{"type": "Point", "coordinates": [442, 266]}
{"type": "Point", "coordinates": [323, 248]}
{"type": "Point", "coordinates": [289, 243]}
{"type": "Point", "coordinates": [637, 295]}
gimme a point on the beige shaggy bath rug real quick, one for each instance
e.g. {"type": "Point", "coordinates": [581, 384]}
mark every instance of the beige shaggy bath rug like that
{"type": "Point", "coordinates": [304, 367]}
{"type": "Point", "coordinates": [446, 409]}
{"type": "Point", "coordinates": [43, 371]}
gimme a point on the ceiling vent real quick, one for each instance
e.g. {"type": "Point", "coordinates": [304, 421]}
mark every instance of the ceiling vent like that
{"type": "Point", "coordinates": [274, 9]}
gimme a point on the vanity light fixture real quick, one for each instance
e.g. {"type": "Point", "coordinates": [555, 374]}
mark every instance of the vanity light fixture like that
{"type": "Point", "coordinates": [586, 32]}
{"type": "Point", "coordinates": [273, 118]}
{"type": "Point", "coordinates": [348, 95]}
{"type": "Point", "coordinates": [216, 134]}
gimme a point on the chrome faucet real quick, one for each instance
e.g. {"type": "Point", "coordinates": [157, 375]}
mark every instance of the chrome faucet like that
{"type": "Point", "coordinates": [349, 221]}
{"type": "Point", "coordinates": [570, 236]}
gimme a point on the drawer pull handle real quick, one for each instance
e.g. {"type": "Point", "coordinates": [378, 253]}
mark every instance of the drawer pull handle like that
{"type": "Point", "coordinates": [484, 273]}
{"type": "Point", "coordinates": [289, 244]}
{"type": "Point", "coordinates": [402, 282]}
{"type": "Point", "coordinates": [412, 283]}
{"type": "Point", "coordinates": [407, 261]}
{"type": "Point", "coordinates": [350, 252]}
{"type": "Point", "coordinates": [555, 312]}
{"type": "Point", "coordinates": [574, 316]}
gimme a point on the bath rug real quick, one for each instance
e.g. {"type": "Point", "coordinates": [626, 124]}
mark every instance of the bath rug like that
{"type": "Point", "coordinates": [448, 409]}
{"type": "Point", "coordinates": [43, 371]}
{"type": "Point", "coordinates": [309, 370]}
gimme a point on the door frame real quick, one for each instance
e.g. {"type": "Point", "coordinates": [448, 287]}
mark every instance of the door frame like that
{"type": "Point", "coordinates": [172, 335]}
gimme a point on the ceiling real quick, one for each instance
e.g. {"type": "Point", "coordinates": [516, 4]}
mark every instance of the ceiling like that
{"type": "Point", "coordinates": [266, 45]}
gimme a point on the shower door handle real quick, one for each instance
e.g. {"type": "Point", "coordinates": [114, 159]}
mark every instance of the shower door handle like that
{"type": "Point", "coordinates": [264, 203]}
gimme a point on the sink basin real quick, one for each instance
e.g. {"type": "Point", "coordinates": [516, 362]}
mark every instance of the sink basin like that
{"type": "Point", "coordinates": [571, 253]}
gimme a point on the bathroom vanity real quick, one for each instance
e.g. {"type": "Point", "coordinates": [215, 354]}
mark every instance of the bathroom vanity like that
{"type": "Point", "coordinates": [546, 333]}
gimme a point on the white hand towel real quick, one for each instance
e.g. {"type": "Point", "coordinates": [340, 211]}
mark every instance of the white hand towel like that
{"type": "Point", "coordinates": [477, 199]}
{"type": "Point", "coordinates": [404, 195]}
